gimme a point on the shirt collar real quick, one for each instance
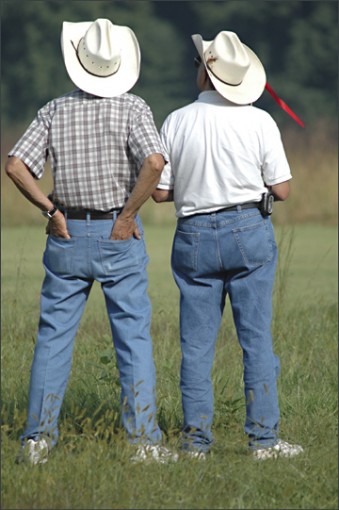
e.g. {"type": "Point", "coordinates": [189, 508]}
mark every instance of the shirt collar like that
{"type": "Point", "coordinates": [213, 97]}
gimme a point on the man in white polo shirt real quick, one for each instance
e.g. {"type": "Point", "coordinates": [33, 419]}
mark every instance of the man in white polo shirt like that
{"type": "Point", "coordinates": [225, 156]}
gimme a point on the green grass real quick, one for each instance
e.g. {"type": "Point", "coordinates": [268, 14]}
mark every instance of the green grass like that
{"type": "Point", "coordinates": [90, 467]}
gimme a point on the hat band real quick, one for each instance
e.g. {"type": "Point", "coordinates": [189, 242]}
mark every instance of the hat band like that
{"type": "Point", "coordinates": [86, 69]}
{"type": "Point", "coordinates": [223, 81]}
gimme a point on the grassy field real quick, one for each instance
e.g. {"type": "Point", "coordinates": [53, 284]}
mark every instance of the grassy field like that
{"type": "Point", "coordinates": [90, 468]}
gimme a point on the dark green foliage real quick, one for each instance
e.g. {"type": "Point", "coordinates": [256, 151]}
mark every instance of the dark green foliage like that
{"type": "Point", "coordinates": [296, 41]}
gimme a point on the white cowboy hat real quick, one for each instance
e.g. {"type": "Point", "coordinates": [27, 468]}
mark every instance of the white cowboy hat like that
{"type": "Point", "coordinates": [233, 68]}
{"type": "Point", "coordinates": [101, 58]}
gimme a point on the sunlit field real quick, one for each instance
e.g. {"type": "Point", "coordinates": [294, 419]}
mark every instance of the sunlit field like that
{"type": "Point", "coordinates": [90, 467]}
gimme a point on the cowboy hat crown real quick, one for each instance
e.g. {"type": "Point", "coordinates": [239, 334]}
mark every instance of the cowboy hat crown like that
{"type": "Point", "coordinates": [101, 58]}
{"type": "Point", "coordinates": [97, 50]}
{"type": "Point", "coordinates": [234, 69]}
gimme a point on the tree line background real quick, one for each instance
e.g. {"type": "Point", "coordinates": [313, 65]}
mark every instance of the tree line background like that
{"type": "Point", "coordinates": [296, 41]}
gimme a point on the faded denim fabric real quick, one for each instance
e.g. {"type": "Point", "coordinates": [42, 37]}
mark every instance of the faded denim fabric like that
{"type": "Point", "coordinates": [71, 267]}
{"type": "Point", "coordinates": [214, 255]}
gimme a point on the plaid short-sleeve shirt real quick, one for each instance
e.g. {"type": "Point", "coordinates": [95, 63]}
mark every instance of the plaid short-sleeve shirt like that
{"type": "Point", "coordinates": [96, 147]}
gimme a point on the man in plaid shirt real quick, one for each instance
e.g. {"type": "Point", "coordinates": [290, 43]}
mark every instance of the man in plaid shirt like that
{"type": "Point", "coordinates": [106, 159]}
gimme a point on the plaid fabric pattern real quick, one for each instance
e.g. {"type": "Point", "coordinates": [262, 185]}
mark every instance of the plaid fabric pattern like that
{"type": "Point", "coordinates": [96, 147]}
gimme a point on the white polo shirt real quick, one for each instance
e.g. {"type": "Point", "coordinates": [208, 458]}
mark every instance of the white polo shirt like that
{"type": "Point", "coordinates": [220, 154]}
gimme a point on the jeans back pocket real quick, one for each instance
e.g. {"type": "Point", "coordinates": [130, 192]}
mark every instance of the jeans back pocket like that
{"type": "Point", "coordinates": [255, 243]}
{"type": "Point", "coordinates": [58, 255]}
{"type": "Point", "coordinates": [120, 256]}
{"type": "Point", "coordinates": [185, 251]}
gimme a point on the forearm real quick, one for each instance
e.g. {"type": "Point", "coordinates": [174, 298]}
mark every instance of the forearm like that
{"type": "Point", "coordinates": [280, 191]}
{"type": "Point", "coordinates": [148, 179]}
{"type": "Point", "coordinates": [149, 176]}
{"type": "Point", "coordinates": [162, 195]}
{"type": "Point", "coordinates": [19, 173]}
{"type": "Point", "coordinates": [25, 182]}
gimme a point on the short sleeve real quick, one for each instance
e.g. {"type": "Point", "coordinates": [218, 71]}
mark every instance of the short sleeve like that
{"type": "Point", "coordinates": [275, 166]}
{"type": "Point", "coordinates": [32, 147]}
{"type": "Point", "coordinates": [144, 138]}
{"type": "Point", "coordinates": [167, 179]}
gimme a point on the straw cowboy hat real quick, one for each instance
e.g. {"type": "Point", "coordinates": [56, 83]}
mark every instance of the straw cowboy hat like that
{"type": "Point", "coordinates": [233, 68]}
{"type": "Point", "coordinates": [101, 58]}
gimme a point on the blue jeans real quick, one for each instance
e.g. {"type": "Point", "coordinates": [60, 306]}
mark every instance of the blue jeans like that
{"type": "Point", "coordinates": [214, 255]}
{"type": "Point", "coordinates": [71, 267]}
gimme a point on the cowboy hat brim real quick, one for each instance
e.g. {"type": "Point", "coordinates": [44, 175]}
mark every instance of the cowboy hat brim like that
{"type": "Point", "coordinates": [251, 87]}
{"type": "Point", "coordinates": [110, 86]}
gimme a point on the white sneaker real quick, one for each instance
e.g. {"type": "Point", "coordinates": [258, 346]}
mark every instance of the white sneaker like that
{"type": "Point", "coordinates": [195, 455]}
{"type": "Point", "coordinates": [154, 453]}
{"type": "Point", "coordinates": [34, 452]}
{"type": "Point", "coordinates": [281, 449]}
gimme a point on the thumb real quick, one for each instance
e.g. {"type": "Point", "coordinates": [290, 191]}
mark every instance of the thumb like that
{"type": "Point", "coordinates": [136, 233]}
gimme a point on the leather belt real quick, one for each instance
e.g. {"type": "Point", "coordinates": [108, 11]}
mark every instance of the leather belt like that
{"type": "Point", "coordinates": [84, 214]}
{"type": "Point", "coordinates": [240, 207]}
{"type": "Point", "coordinates": [247, 205]}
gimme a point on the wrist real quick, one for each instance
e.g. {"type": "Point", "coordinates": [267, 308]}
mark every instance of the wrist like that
{"type": "Point", "coordinates": [50, 213]}
{"type": "Point", "coordinates": [126, 216]}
